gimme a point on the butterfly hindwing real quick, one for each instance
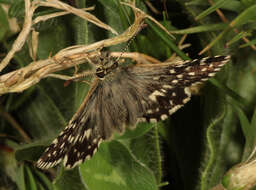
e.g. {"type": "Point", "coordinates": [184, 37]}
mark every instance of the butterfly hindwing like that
{"type": "Point", "coordinates": [107, 110]}
{"type": "Point", "coordinates": [78, 140]}
{"type": "Point", "coordinates": [168, 86]}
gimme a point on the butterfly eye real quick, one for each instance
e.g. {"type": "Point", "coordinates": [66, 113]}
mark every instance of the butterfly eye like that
{"type": "Point", "coordinates": [101, 59]}
{"type": "Point", "coordinates": [100, 72]}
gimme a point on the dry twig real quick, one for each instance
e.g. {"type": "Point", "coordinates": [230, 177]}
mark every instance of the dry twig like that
{"type": "Point", "coordinates": [28, 23]}
{"type": "Point", "coordinates": [23, 78]}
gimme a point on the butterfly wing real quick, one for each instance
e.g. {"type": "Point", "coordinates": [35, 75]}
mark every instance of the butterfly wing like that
{"type": "Point", "coordinates": [110, 105]}
{"type": "Point", "coordinates": [150, 92]}
{"type": "Point", "coordinates": [167, 86]}
{"type": "Point", "coordinates": [78, 129]}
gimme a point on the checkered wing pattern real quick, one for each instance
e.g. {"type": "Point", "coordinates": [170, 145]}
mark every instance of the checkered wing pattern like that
{"type": "Point", "coordinates": [148, 92]}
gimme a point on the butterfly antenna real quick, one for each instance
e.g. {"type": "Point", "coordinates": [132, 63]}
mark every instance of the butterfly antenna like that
{"type": "Point", "coordinates": [142, 26]}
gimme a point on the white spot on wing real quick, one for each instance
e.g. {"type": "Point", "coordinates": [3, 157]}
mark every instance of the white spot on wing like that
{"type": "Point", "coordinates": [223, 63]}
{"type": "Point", "coordinates": [94, 141]}
{"type": "Point", "coordinates": [204, 59]}
{"type": "Point", "coordinates": [163, 90]}
{"type": "Point", "coordinates": [88, 133]}
{"type": "Point", "coordinates": [188, 68]}
{"type": "Point", "coordinates": [187, 91]}
{"type": "Point", "coordinates": [87, 157]}
{"type": "Point", "coordinates": [153, 120]}
{"type": "Point", "coordinates": [83, 119]}
{"type": "Point", "coordinates": [62, 145]}
{"type": "Point", "coordinates": [167, 86]}
{"type": "Point", "coordinates": [154, 94]}
{"type": "Point", "coordinates": [142, 119]}
{"type": "Point", "coordinates": [180, 76]}
{"type": "Point", "coordinates": [94, 151]}
{"type": "Point", "coordinates": [100, 141]}
{"type": "Point", "coordinates": [70, 139]}
{"type": "Point", "coordinates": [55, 141]}
{"type": "Point", "coordinates": [174, 109]}
{"type": "Point", "coordinates": [211, 74]}
{"type": "Point", "coordinates": [175, 81]}
{"type": "Point", "coordinates": [77, 163]}
{"type": "Point", "coordinates": [192, 73]}
{"type": "Point", "coordinates": [172, 71]}
{"type": "Point", "coordinates": [149, 111]}
{"type": "Point", "coordinates": [164, 116]}
{"type": "Point", "coordinates": [65, 159]}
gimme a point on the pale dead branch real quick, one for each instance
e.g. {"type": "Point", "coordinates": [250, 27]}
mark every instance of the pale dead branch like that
{"type": "Point", "coordinates": [81, 13]}
{"type": "Point", "coordinates": [21, 79]}
{"type": "Point", "coordinates": [19, 42]}
{"type": "Point", "coordinates": [28, 23]}
{"type": "Point", "coordinates": [54, 15]}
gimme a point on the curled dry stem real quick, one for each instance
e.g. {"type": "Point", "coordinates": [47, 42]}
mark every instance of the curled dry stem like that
{"type": "Point", "coordinates": [19, 42]}
{"type": "Point", "coordinates": [28, 23]}
{"type": "Point", "coordinates": [21, 79]}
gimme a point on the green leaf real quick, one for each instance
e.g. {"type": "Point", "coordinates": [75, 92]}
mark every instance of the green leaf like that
{"type": "Point", "coordinates": [253, 121]}
{"type": "Point", "coordinates": [69, 180]}
{"type": "Point", "coordinates": [246, 16]}
{"type": "Point", "coordinates": [20, 178]}
{"type": "Point", "coordinates": [4, 25]}
{"type": "Point", "coordinates": [248, 131]}
{"type": "Point", "coordinates": [211, 9]}
{"type": "Point", "coordinates": [207, 179]}
{"type": "Point", "coordinates": [45, 182]}
{"type": "Point", "coordinates": [17, 9]}
{"type": "Point", "coordinates": [114, 167]}
{"type": "Point", "coordinates": [252, 42]}
{"type": "Point", "coordinates": [29, 152]}
{"type": "Point", "coordinates": [236, 97]}
{"type": "Point", "coordinates": [238, 37]}
{"type": "Point", "coordinates": [232, 5]}
{"type": "Point", "coordinates": [30, 180]}
{"type": "Point", "coordinates": [6, 1]}
{"type": "Point", "coordinates": [150, 144]}
{"type": "Point", "coordinates": [140, 130]}
{"type": "Point", "coordinates": [38, 114]}
{"type": "Point", "coordinates": [202, 28]}
{"type": "Point", "coordinates": [167, 39]}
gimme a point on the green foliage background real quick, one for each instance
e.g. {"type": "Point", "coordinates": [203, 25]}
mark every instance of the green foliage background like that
{"type": "Point", "coordinates": [193, 149]}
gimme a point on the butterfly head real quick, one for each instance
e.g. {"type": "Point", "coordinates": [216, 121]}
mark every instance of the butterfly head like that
{"type": "Point", "coordinates": [105, 67]}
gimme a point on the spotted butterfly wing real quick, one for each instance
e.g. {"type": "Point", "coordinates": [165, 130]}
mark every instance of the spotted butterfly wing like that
{"type": "Point", "coordinates": [125, 96]}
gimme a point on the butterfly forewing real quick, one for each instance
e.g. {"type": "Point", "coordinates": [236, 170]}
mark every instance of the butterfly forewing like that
{"type": "Point", "coordinates": [127, 95]}
{"type": "Point", "coordinates": [168, 87]}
